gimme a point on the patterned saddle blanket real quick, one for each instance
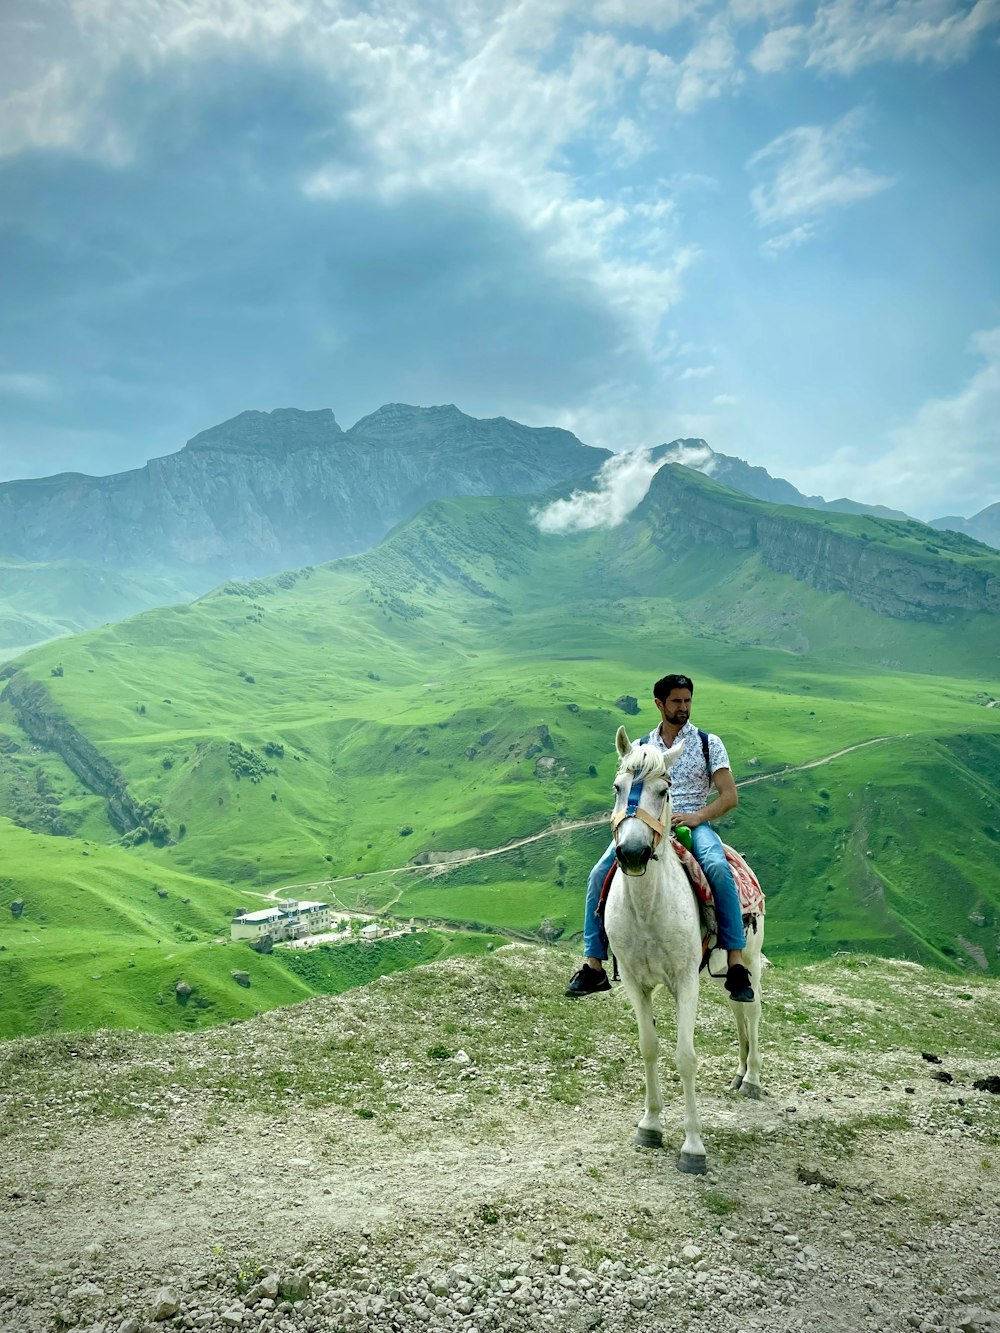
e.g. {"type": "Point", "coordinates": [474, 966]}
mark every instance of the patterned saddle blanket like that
{"type": "Point", "coordinates": [751, 895]}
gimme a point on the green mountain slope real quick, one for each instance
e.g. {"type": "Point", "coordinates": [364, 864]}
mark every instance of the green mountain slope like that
{"type": "Point", "coordinates": [91, 937]}
{"type": "Point", "coordinates": [48, 599]}
{"type": "Point", "coordinates": [457, 688]}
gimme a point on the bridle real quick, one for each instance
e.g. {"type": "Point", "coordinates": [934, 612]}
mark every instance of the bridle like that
{"type": "Point", "coordinates": [634, 811]}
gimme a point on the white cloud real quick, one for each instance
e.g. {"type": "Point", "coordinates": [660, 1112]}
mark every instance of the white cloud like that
{"type": "Point", "coordinates": [725, 400]}
{"type": "Point", "coordinates": [848, 34]}
{"type": "Point", "coordinates": [700, 457]}
{"type": "Point", "coordinates": [778, 48]}
{"type": "Point", "coordinates": [944, 460]}
{"type": "Point", "coordinates": [810, 173]}
{"type": "Point", "coordinates": [788, 240]}
{"type": "Point", "coordinates": [710, 68]}
{"type": "Point", "coordinates": [627, 142]}
{"type": "Point", "coordinates": [657, 15]}
{"type": "Point", "coordinates": [485, 99]}
{"type": "Point", "coordinates": [622, 482]}
{"type": "Point", "coordinates": [750, 11]}
{"type": "Point", "coordinates": [697, 372]}
{"type": "Point", "coordinates": [843, 36]}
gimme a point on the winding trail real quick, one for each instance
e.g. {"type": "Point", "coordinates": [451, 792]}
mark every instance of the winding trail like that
{"type": "Point", "coordinates": [563, 826]}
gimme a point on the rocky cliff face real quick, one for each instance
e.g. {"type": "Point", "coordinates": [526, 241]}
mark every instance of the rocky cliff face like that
{"type": "Point", "coordinates": [758, 482]}
{"type": "Point", "coordinates": [271, 490]}
{"type": "Point", "coordinates": [43, 723]}
{"type": "Point", "coordinates": [903, 570]}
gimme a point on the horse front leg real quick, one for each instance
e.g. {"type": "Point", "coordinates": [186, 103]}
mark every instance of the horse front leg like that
{"type": "Point", "coordinates": [692, 1154]}
{"type": "Point", "coordinates": [649, 1133]}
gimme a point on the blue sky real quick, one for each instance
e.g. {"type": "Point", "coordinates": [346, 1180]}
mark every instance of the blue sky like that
{"type": "Point", "coordinates": [766, 223]}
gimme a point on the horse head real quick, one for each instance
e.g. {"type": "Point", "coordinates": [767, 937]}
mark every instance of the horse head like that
{"type": "Point", "coordinates": [642, 801]}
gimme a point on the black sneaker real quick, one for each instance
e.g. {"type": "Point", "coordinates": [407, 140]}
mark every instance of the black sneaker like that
{"type": "Point", "coordinates": [738, 984]}
{"type": "Point", "coordinates": [588, 981]}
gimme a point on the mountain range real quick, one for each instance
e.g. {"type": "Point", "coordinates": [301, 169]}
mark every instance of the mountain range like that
{"type": "Point", "coordinates": [267, 491]}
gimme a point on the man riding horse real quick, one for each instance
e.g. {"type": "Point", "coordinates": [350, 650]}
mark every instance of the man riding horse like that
{"type": "Point", "coordinates": [703, 764]}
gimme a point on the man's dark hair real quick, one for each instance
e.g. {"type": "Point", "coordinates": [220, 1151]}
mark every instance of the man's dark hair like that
{"type": "Point", "coordinates": [662, 688]}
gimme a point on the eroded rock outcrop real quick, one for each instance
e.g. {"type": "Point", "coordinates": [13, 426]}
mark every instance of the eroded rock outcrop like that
{"type": "Point", "coordinates": [41, 720]}
{"type": "Point", "coordinates": [902, 569]}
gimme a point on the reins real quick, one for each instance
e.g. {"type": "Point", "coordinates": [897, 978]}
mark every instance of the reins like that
{"type": "Point", "coordinates": [634, 811]}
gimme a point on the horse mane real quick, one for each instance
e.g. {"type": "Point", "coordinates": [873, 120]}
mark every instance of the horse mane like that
{"type": "Point", "coordinates": [644, 761]}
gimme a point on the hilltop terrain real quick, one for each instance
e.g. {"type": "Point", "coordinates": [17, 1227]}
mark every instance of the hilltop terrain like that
{"type": "Point", "coordinates": [452, 1149]}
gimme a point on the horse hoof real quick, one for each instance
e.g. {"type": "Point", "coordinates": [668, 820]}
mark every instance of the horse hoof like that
{"type": "Point", "coordinates": [751, 1090]}
{"type": "Point", "coordinates": [648, 1138]}
{"type": "Point", "coordinates": [736, 1084]}
{"type": "Point", "coordinates": [692, 1164]}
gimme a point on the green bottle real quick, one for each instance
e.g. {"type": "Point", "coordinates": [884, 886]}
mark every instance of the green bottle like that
{"type": "Point", "coordinates": [683, 835]}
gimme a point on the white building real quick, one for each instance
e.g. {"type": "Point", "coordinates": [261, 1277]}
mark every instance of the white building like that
{"type": "Point", "coordinates": [286, 920]}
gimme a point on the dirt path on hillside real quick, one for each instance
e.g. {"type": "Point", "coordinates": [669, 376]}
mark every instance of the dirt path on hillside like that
{"type": "Point", "coordinates": [816, 763]}
{"type": "Point", "coordinates": [458, 858]}
{"type": "Point", "coordinates": [387, 1180]}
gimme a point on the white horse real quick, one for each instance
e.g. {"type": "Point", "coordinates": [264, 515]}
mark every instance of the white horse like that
{"type": "Point", "coordinates": [652, 922]}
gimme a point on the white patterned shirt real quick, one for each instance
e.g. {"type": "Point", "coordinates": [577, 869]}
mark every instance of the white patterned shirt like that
{"type": "Point", "coordinates": [689, 782]}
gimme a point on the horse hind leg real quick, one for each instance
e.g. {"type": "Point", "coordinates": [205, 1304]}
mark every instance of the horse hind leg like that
{"type": "Point", "coordinates": [649, 1132]}
{"type": "Point", "coordinates": [750, 1086]}
{"type": "Point", "coordinates": [741, 1032]}
{"type": "Point", "coordinates": [747, 1080]}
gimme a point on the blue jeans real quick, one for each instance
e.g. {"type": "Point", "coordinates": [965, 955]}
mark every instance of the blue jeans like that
{"type": "Point", "coordinates": [707, 848]}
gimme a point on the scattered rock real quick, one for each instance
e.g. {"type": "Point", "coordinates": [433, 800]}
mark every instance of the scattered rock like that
{"type": "Point", "coordinates": [166, 1303]}
{"type": "Point", "coordinates": [265, 1289]}
{"type": "Point", "coordinates": [991, 1084]}
{"type": "Point", "coordinates": [295, 1287]}
{"type": "Point", "coordinates": [628, 703]}
{"type": "Point", "coordinates": [241, 978]}
{"type": "Point", "coordinates": [931, 1059]}
{"type": "Point", "coordinates": [184, 989]}
{"type": "Point", "coordinates": [813, 1175]}
{"type": "Point", "coordinates": [17, 907]}
{"type": "Point", "coordinates": [87, 1291]}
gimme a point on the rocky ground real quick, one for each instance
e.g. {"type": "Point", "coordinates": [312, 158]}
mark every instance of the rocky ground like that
{"type": "Point", "coordinates": [452, 1149]}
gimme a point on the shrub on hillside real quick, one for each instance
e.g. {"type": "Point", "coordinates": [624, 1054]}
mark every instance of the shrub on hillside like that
{"type": "Point", "coordinates": [246, 763]}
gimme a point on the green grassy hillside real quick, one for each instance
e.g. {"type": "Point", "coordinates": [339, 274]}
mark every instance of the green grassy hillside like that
{"type": "Point", "coordinates": [456, 688]}
{"type": "Point", "coordinates": [49, 599]}
{"type": "Point", "coordinates": [89, 938]}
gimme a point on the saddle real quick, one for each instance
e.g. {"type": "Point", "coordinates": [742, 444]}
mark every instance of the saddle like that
{"type": "Point", "coordinates": [751, 895]}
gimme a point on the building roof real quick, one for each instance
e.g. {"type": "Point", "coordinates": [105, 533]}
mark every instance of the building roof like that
{"type": "Point", "coordinates": [277, 913]}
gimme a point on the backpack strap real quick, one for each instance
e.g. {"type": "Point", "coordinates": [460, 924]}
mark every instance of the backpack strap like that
{"type": "Point", "coordinates": [703, 737]}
